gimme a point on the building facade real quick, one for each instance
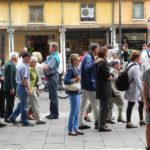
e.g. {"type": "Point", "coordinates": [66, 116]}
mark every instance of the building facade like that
{"type": "Point", "coordinates": [74, 24]}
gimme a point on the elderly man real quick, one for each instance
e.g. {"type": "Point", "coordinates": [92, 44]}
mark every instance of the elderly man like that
{"type": "Point", "coordinates": [51, 72]}
{"type": "Point", "coordinates": [10, 84]}
{"type": "Point", "coordinates": [88, 84]}
{"type": "Point", "coordinates": [23, 91]}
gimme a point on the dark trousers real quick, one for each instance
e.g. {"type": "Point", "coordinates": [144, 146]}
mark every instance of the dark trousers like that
{"type": "Point", "coordinates": [52, 88]}
{"type": "Point", "coordinates": [9, 104]}
{"type": "Point", "coordinates": [129, 110]}
{"type": "Point", "coordinates": [2, 104]}
{"type": "Point", "coordinates": [103, 111]}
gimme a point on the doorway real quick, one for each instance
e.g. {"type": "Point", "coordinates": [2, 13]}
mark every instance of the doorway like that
{"type": "Point", "coordinates": [38, 43]}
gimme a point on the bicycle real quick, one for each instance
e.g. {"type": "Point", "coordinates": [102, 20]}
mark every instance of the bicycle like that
{"type": "Point", "coordinates": [61, 93]}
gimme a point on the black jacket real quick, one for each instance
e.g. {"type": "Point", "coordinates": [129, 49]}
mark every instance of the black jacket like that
{"type": "Point", "coordinates": [103, 86]}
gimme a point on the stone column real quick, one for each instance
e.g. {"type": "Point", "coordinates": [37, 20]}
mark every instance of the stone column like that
{"type": "Point", "coordinates": [63, 47]}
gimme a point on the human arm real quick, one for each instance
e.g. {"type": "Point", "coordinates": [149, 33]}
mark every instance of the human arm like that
{"type": "Point", "coordinates": [69, 79]}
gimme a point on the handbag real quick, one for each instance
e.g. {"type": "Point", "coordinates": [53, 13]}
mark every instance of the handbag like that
{"type": "Point", "coordinates": [76, 86]}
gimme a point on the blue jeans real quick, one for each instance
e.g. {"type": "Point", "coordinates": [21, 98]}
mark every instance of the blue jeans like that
{"type": "Point", "coordinates": [21, 106]}
{"type": "Point", "coordinates": [52, 88]}
{"type": "Point", "coordinates": [74, 111]}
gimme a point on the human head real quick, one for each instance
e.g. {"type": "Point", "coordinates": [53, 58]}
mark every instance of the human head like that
{"type": "Point", "coordinates": [74, 60]}
{"type": "Point", "coordinates": [25, 49]}
{"type": "Point", "coordinates": [26, 57]}
{"type": "Point", "coordinates": [38, 55]}
{"type": "Point", "coordinates": [102, 52]}
{"type": "Point", "coordinates": [115, 64]}
{"type": "Point", "coordinates": [33, 61]}
{"type": "Point", "coordinates": [94, 49]}
{"type": "Point", "coordinates": [14, 57]}
{"type": "Point", "coordinates": [135, 56]}
{"type": "Point", "coordinates": [144, 46]}
{"type": "Point", "coordinates": [53, 46]}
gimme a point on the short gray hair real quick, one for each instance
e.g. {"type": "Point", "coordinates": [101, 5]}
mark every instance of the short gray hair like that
{"type": "Point", "coordinates": [13, 55]}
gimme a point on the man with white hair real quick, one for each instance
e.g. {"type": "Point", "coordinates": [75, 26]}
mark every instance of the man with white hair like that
{"type": "Point", "coordinates": [10, 84]}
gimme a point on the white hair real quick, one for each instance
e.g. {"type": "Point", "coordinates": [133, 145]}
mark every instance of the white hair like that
{"type": "Point", "coordinates": [13, 55]}
{"type": "Point", "coordinates": [33, 58]}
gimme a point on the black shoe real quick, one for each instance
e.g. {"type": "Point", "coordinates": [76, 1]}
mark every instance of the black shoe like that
{"type": "Point", "coordinates": [51, 117]}
{"type": "Point", "coordinates": [72, 133]}
{"type": "Point", "coordinates": [79, 132]}
{"type": "Point", "coordinates": [111, 122]}
{"type": "Point", "coordinates": [121, 120]}
{"type": "Point", "coordinates": [84, 127]}
{"type": "Point", "coordinates": [96, 127]}
{"type": "Point", "coordinates": [28, 124]}
{"type": "Point", "coordinates": [104, 130]}
{"type": "Point", "coordinates": [12, 121]}
{"type": "Point", "coordinates": [142, 123]}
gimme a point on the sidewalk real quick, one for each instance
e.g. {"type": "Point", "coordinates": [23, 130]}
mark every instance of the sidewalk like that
{"type": "Point", "coordinates": [53, 135]}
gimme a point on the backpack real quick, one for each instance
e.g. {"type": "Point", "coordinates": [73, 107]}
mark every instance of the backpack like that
{"type": "Point", "coordinates": [122, 83]}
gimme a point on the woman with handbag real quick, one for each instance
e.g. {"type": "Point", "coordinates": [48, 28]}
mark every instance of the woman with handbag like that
{"type": "Point", "coordinates": [72, 82]}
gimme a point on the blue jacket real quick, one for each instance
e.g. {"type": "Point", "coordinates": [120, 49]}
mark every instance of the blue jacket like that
{"type": "Point", "coordinates": [88, 76]}
{"type": "Point", "coordinates": [70, 74]}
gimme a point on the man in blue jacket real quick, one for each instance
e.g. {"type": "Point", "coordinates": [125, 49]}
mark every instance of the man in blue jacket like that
{"type": "Point", "coordinates": [88, 85]}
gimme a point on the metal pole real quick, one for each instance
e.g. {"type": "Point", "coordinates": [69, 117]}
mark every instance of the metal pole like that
{"type": "Point", "coordinates": [10, 31]}
{"type": "Point", "coordinates": [112, 35]}
{"type": "Point", "coordinates": [148, 30]}
{"type": "Point", "coordinates": [120, 28]}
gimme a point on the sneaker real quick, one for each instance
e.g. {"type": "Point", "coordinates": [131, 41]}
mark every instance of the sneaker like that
{"type": "Point", "coordinates": [84, 127]}
{"type": "Point", "coordinates": [130, 125]}
{"type": "Point", "coordinates": [41, 122]}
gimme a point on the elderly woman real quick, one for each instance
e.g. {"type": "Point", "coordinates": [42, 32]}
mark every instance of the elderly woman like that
{"type": "Point", "coordinates": [103, 88]}
{"type": "Point", "coordinates": [73, 76]}
{"type": "Point", "coordinates": [134, 93]}
{"type": "Point", "coordinates": [33, 98]}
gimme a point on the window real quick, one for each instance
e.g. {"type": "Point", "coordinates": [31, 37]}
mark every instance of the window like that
{"type": "Point", "coordinates": [138, 12]}
{"type": "Point", "coordinates": [87, 12]}
{"type": "Point", "coordinates": [35, 13]}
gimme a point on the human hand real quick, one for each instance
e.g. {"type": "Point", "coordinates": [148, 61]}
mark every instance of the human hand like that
{"type": "Point", "coordinates": [12, 92]}
{"type": "Point", "coordinates": [110, 78]}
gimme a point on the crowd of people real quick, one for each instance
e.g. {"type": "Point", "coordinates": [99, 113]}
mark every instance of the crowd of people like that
{"type": "Point", "coordinates": [91, 76]}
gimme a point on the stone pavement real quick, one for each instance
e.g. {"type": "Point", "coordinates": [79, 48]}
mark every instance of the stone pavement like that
{"type": "Point", "coordinates": [53, 135]}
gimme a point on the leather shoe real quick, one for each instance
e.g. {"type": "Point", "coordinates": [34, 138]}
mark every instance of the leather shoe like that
{"type": "Point", "coordinates": [12, 121]}
{"type": "Point", "coordinates": [121, 120]}
{"type": "Point", "coordinates": [28, 125]}
{"type": "Point", "coordinates": [51, 117]}
{"type": "Point", "coordinates": [84, 127]}
{"type": "Point", "coordinates": [111, 122]}
{"type": "Point", "coordinates": [72, 133]}
{"type": "Point", "coordinates": [104, 129]}
{"type": "Point", "coordinates": [79, 132]}
{"type": "Point", "coordinates": [142, 123]}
